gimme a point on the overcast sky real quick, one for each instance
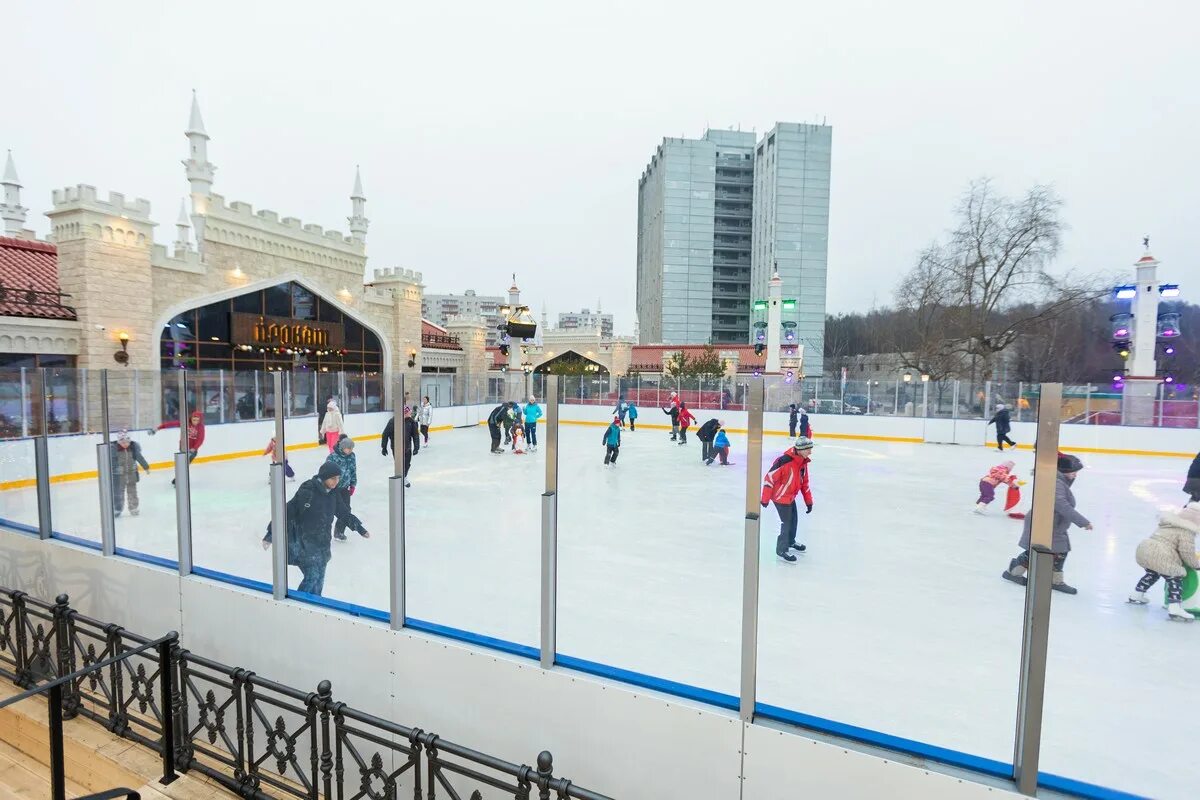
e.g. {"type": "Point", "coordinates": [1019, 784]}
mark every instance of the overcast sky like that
{"type": "Point", "coordinates": [502, 137]}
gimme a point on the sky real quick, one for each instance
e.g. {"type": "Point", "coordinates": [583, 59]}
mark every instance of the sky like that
{"type": "Point", "coordinates": [509, 137]}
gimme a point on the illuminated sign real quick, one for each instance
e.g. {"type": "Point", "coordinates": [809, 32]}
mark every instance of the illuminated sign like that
{"type": "Point", "coordinates": [262, 331]}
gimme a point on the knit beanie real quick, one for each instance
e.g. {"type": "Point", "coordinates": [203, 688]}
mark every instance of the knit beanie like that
{"type": "Point", "coordinates": [329, 470]}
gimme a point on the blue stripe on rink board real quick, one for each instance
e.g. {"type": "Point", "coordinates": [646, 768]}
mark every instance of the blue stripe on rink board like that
{"type": "Point", "coordinates": [1091, 791]}
{"type": "Point", "coordinates": [490, 642]}
{"type": "Point", "coordinates": [339, 605]}
{"type": "Point", "coordinates": [19, 527]}
{"type": "Point", "coordinates": [157, 561]}
{"type": "Point", "coordinates": [648, 682]}
{"type": "Point", "coordinates": [225, 577]}
{"type": "Point", "coordinates": [66, 537]}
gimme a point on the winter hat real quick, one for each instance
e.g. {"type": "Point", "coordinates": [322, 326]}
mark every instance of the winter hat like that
{"type": "Point", "coordinates": [407, 410]}
{"type": "Point", "coordinates": [999, 406]}
{"type": "Point", "coordinates": [532, 399]}
{"type": "Point", "coordinates": [345, 441]}
{"type": "Point", "coordinates": [802, 443]}
{"type": "Point", "coordinates": [616, 420]}
{"type": "Point", "coordinates": [1069, 463]}
{"type": "Point", "coordinates": [1191, 513]}
{"type": "Point", "coordinates": [331, 404]}
{"type": "Point", "coordinates": [329, 470]}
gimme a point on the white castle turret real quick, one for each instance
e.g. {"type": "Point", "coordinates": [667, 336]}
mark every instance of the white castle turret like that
{"type": "Point", "coordinates": [199, 169]}
{"type": "Point", "coordinates": [11, 210]}
{"type": "Point", "coordinates": [358, 219]}
{"type": "Point", "coordinates": [182, 226]}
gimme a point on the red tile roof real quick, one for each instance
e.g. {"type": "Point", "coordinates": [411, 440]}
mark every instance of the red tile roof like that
{"type": "Point", "coordinates": [29, 277]}
{"type": "Point", "coordinates": [651, 355]}
{"type": "Point", "coordinates": [437, 338]}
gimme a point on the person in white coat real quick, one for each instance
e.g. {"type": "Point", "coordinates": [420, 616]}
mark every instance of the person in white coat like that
{"type": "Point", "coordinates": [1167, 554]}
{"type": "Point", "coordinates": [333, 426]}
{"type": "Point", "coordinates": [425, 418]}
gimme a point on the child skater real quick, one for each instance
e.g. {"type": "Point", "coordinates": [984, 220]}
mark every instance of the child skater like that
{"type": "Point", "coordinates": [287, 468]}
{"type": "Point", "coordinates": [720, 448]}
{"type": "Point", "coordinates": [633, 412]}
{"type": "Point", "coordinates": [1167, 554]}
{"type": "Point", "coordinates": [518, 437]}
{"type": "Point", "coordinates": [1001, 473]}
{"type": "Point", "coordinates": [612, 442]}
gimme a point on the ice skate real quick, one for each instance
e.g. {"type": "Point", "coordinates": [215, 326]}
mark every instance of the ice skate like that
{"type": "Point", "coordinates": [116, 513]}
{"type": "Point", "coordinates": [1137, 598]}
{"type": "Point", "coordinates": [708, 462]}
{"type": "Point", "coordinates": [407, 485]}
{"type": "Point", "coordinates": [788, 557]}
{"type": "Point", "coordinates": [1015, 573]}
{"type": "Point", "coordinates": [340, 536]}
{"type": "Point", "coordinates": [799, 548]}
{"type": "Point", "coordinates": [1175, 613]}
{"type": "Point", "coordinates": [133, 512]}
{"type": "Point", "coordinates": [980, 508]}
{"type": "Point", "coordinates": [1060, 585]}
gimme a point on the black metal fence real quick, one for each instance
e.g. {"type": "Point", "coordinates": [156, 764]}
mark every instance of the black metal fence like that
{"type": "Point", "coordinates": [257, 738]}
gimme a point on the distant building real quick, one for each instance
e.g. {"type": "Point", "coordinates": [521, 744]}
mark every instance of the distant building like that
{"type": "Point", "coordinates": [586, 319]}
{"type": "Point", "coordinates": [439, 308]}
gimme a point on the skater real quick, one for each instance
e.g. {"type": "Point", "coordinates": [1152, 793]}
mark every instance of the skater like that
{"type": "Point", "coordinates": [706, 434]}
{"type": "Point", "coordinates": [125, 457]}
{"type": "Point", "coordinates": [1167, 554]}
{"type": "Point", "coordinates": [673, 412]}
{"type": "Point", "coordinates": [333, 425]}
{"type": "Point", "coordinates": [621, 410]}
{"type": "Point", "coordinates": [612, 442]}
{"type": "Point", "coordinates": [1065, 516]}
{"type": "Point", "coordinates": [343, 457]}
{"type": "Point", "coordinates": [1003, 426]}
{"type": "Point", "coordinates": [793, 418]}
{"type": "Point", "coordinates": [805, 427]}
{"type": "Point", "coordinates": [518, 437]}
{"type": "Point", "coordinates": [788, 477]}
{"type": "Point", "coordinates": [195, 435]}
{"type": "Point", "coordinates": [310, 513]}
{"type": "Point", "coordinates": [425, 418]}
{"type": "Point", "coordinates": [633, 412]}
{"type": "Point", "coordinates": [494, 421]}
{"type": "Point", "coordinates": [720, 448]}
{"type": "Point", "coordinates": [410, 442]}
{"type": "Point", "coordinates": [1001, 473]}
{"type": "Point", "coordinates": [507, 421]}
{"type": "Point", "coordinates": [1192, 484]}
{"type": "Point", "coordinates": [533, 412]}
{"type": "Point", "coordinates": [287, 468]}
{"type": "Point", "coordinates": [685, 421]}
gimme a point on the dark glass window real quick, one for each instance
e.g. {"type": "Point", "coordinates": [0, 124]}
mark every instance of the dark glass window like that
{"type": "Point", "coordinates": [277, 301]}
{"type": "Point", "coordinates": [213, 322]}
{"type": "Point", "coordinates": [304, 303]}
{"type": "Point", "coordinates": [248, 303]}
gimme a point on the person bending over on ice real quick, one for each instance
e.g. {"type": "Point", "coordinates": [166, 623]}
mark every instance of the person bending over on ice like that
{"type": "Point", "coordinates": [1168, 553]}
{"type": "Point", "coordinates": [786, 478]}
{"type": "Point", "coordinates": [612, 442]}
{"type": "Point", "coordinates": [1065, 516]}
{"type": "Point", "coordinates": [310, 513]}
{"type": "Point", "coordinates": [685, 421]}
{"type": "Point", "coordinates": [126, 457]}
{"type": "Point", "coordinates": [347, 464]}
{"type": "Point", "coordinates": [1003, 425]}
{"type": "Point", "coordinates": [494, 421]}
{"type": "Point", "coordinates": [706, 433]}
{"type": "Point", "coordinates": [1001, 473]}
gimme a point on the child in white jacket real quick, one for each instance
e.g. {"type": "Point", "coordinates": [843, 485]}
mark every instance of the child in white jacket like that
{"type": "Point", "coordinates": [424, 418]}
{"type": "Point", "coordinates": [1165, 554]}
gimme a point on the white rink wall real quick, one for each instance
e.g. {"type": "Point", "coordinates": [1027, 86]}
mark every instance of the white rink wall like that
{"type": "Point", "coordinates": [623, 741]}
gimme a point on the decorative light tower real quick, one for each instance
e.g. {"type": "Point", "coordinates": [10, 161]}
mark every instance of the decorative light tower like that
{"type": "Point", "coordinates": [518, 326]}
{"type": "Point", "coordinates": [11, 210]}
{"type": "Point", "coordinates": [1136, 336]}
{"type": "Point", "coordinates": [358, 218]}
{"type": "Point", "coordinates": [199, 170]}
{"type": "Point", "coordinates": [775, 336]}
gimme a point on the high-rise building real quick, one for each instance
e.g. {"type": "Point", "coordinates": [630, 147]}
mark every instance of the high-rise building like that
{"type": "Point", "coordinates": [587, 320]}
{"type": "Point", "coordinates": [791, 227]}
{"type": "Point", "coordinates": [714, 215]}
{"type": "Point", "coordinates": [438, 308]}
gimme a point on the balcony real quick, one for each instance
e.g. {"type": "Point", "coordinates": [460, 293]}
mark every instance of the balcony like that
{"type": "Point", "coordinates": [734, 197]}
{"type": "Point", "coordinates": [733, 230]}
{"type": "Point", "coordinates": [743, 179]}
{"type": "Point", "coordinates": [733, 212]}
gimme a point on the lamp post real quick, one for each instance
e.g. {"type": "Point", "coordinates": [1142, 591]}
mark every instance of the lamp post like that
{"type": "Point", "coordinates": [907, 401]}
{"type": "Point", "coordinates": [1137, 342]}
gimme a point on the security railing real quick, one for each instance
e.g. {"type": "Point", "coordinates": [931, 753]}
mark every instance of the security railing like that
{"type": "Point", "coordinates": [255, 737]}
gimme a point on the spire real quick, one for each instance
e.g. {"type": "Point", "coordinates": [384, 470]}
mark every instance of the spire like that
{"type": "Point", "coordinates": [182, 226]}
{"type": "Point", "coordinates": [358, 210]}
{"type": "Point", "coordinates": [195, 121]}
{"type": "Point", "coordinates": [11, 210]}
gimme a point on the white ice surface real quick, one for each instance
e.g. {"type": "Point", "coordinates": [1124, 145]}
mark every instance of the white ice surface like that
{"type": "Point", "coordinates": [895, 620]}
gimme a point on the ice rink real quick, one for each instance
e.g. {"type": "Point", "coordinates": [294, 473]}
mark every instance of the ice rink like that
{"type": "Point", "coordinates": [896, 619]}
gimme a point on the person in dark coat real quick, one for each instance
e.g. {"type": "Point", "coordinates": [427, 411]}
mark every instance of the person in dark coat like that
{"type": "Point", "coordinates": [706, 433]}
{"type": "Point", "coordinates": [126, 455]}
{"type": "Point", "coordinates": [793, 418]}
{"type": "Point", "coordinates": [494, 421]}
{"type": "Point", "coordinates": [1003, 426]}
{"type": "Point", "coordinates": [310, 514]}
{"type": "Point", "coordinates": [1065, 516]}
{"type": "Point", "coordinates": [673, 412]}
{"type": "Point", "coordinates": [410, 443]}
{"type": "Point", "coordinates": [805, 428]}
{"type": "Point", "coordinates": [1192, 484]}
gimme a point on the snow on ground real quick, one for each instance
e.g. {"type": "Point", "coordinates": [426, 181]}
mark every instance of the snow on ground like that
{"type": "Point", "coordinates": [895, 620]}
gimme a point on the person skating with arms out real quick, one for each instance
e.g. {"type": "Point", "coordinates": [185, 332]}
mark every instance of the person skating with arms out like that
{"type": "Point", "coordinates": [1168, 554]}
{"type": "Point", "coordinates": [672, 411]}
{"type": "Point", "coordinates": [612, 442]}
{"type": "Point", "coordinates": [1065, 516]}
{"type": "Point", "coordinates": [785, 480]}
{"type": "Point", "coordinates": [686, 418]}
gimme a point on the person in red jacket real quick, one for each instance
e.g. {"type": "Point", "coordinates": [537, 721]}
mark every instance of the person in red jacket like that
{"type": "Point", "coordinates": [195, 434]}
{"type": "Point", "coordinates": [786, 478]}
{"type": "Point", "coordinates": [685, 421]}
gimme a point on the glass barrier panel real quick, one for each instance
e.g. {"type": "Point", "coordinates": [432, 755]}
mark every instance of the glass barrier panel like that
{"type": "Point", "coordinates": [141, 459]}
{"type": "Point", "coordinates": [1118, 672]}
{"type": "Point", "coordinates": [73, 416]}
{"type": "Point", "coordinates": [473, 520]}
{"type": "Point", "coordinates": [881, 594]}
{"type": "Point", "coordinates": [20, 421]}
{"type": "Point", "coordinates": [650, 544]}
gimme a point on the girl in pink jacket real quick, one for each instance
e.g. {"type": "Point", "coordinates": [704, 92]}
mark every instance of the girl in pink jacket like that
{"type": "Point", "coordinates": [1001, 473]}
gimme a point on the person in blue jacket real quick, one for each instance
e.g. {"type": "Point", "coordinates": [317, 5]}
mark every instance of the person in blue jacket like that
{"type": "Point", "coordinates": [612, 442]}
{"type": "Point", "coordinates": [533, 412]}
{"type": "Point", "coordinates": [720, 449]}
{"type": "Point", "coordinates": [633, 412]}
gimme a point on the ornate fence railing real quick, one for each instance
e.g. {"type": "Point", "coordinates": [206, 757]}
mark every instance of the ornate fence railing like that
{"type": "Point", "coordinates": [257, 738]}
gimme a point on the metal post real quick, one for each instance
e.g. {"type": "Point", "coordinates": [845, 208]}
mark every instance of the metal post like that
{"type": "Point", "coordinates": [868, 411]}
{"type": "Point", "coordinates": [257, 396]}
{"type": "Point", "coordinates": [167, 710]}
{"type": "Point", "coordinates": [24, 405]}
{"type": "Point", "coordinates": [954, 400]}
{"type": "Point", "coordinates": [108, 519]}
{"type": "Point", "coordinates": [279, 531]}
{"type": "Point", "coordinates": [896, 398]}
{"type": "Point", "coordinates": [925, 399]}
{"type": "Point", "coordinates": [1087, 406]}
{"type": "Point", "coordinates": [81, 386]}
{"type": "Point", "coordinates": [1020, 396]}
{"type": "Point", "coordinates": [58, 779]}
{"type": "Point", "coordinates": [41, 461]}
{"type": "Point", "coordinates": [549, 594]}
{"type": "Point", "coordinates": [396, 497]}
{"type": "Point", "coordinates": [183, 512]}
{"type": "Point", "coordinates": [987, 398]}
{"type": "Point", "coordinates": [1036, 628]}
{"type": "Point", "coordinates": [221, 395]}
{"type": "Point", "coordinates": [750, 549]}
{"type": "Point", "coordinates": [136, 404]}
{"type": "Point", "coordinates": [1162, 401]}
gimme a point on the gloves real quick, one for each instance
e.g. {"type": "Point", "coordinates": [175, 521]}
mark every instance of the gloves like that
{"type": "Point", "coordinates": [385, 451]}
{"type": "Point", "coordinates": [352, 494]}
{"type": "Point", "coordinates": [765, 503]}
{"type": "Point", "coordinates": [807, 505]}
